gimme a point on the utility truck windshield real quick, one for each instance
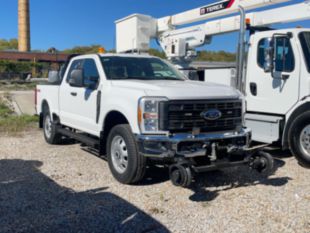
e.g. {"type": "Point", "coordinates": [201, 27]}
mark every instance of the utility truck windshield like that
{"type": "Point", "coordinates": [125, 68]}
{"type": "Point", "coordinates": [305, 43]}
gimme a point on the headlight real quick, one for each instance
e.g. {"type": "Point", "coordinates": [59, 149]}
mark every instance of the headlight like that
{"type": "Point", "coordinates": [148, 114]}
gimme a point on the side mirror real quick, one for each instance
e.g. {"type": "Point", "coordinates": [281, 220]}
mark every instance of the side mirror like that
{"type": "Point", "coordinates": [53, 76]}
{"type": "Point", "coordinates": [269, 56]}
{"type": "Point", "coordinates": [76, 78]}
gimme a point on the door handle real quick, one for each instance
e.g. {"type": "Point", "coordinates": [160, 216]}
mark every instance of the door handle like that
{"type": "Point", "coordinates": [253, 89]}
{"type": "Point", "coordinates": [73, 93]}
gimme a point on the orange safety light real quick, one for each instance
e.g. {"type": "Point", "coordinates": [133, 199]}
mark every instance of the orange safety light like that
{"type": "Point", "coordinates": [101, 50]}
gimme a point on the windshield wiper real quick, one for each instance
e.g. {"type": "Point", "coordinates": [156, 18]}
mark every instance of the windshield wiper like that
{"type": "Point", "coordinates": [129, 78]}
{"type": "Point", "coordinates": [148, 78]}
{"type": "Point", "coordinates": [169, 78]}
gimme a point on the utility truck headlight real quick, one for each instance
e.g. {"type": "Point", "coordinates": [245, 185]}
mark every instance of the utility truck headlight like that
{"type": "Point", "coordinates": [148, 114]}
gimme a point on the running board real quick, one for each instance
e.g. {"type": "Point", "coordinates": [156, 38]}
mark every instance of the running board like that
{"type": "Point", "coordinates": [90, 141]}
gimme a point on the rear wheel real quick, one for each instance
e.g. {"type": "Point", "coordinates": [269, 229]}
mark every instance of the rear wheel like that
{"type": "Point", "coordinates": [299, 139]}
{"type": "Point", "coordinates": [49, 128]}
{"type": "Point", "coordinates": [125, 162]}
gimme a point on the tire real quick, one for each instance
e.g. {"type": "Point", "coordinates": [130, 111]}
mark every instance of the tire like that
{"type": "Point", "coordinates": [127, 165]}
{"type": "Point", "coordinates": [181, 176]}
{"type": "Point", "coordinates": [266, 166]}
{"type": "Point", "coordinates": [49, 129]}
{"type": "Point", "coordinates": [299, 139]}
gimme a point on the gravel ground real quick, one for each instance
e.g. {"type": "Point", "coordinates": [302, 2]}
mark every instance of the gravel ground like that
{"type": "Point", "coordinates": [64, 188]}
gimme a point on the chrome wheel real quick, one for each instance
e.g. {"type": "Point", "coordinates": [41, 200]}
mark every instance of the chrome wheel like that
{"type": "Point", "coordinates": [48, 126]}
{"type": "Point", "coordinates": [304, 140]}
{"type": "Point", "coordinates": [119, 154]}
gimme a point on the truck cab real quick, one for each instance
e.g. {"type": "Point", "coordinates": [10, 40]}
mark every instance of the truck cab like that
{"type": "Point", "coordinates": [278, 86]}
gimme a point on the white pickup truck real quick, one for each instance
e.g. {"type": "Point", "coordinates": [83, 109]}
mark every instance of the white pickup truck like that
{"type": "Point", "coordinates": [139, 108]}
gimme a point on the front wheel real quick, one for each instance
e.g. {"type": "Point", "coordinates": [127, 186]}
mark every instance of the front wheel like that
{"type": "Point", "coordinates": [299, 139]}
{"type": "Point", "coordinates": [125, 162]}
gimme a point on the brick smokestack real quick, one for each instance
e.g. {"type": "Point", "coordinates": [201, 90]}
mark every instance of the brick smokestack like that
{"type": "Point", "coordinates": [23, 26]}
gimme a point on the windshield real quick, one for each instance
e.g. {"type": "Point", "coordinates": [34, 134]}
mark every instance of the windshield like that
{"type": "Point", "coordinates": [305, 44]}
{"type": "Point", "coordinates": [124, 68]}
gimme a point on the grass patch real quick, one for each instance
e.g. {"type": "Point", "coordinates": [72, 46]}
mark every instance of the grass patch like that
{"type": "Point", "coordinates": [13, 124]}
{"type": "Point", "coordinates": [17, 124]}
{"type": "Point", "coordinates": [4, 110]}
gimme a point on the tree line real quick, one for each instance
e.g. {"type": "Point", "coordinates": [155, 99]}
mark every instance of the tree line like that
{"type": "Point", "coordinates": [24, 67]}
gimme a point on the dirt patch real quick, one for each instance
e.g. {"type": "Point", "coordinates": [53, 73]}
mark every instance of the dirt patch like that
{"type": "Point", "coordinates": [64, 188]}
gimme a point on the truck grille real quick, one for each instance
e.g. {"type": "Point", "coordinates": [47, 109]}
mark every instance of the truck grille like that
{"type": "Point", "coordinates": [184, 116]}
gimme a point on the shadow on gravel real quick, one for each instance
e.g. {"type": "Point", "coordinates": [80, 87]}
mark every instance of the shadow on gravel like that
{"type": "Point", "coordinates": [155, 175]}
{"type": "Point", "coordinates": [32, 202]}
{"type": "Point", "coordinates": [231, 179]}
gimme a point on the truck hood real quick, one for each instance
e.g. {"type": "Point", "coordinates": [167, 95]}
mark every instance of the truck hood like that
{"type": "Point", "coordinates": [180, 89]}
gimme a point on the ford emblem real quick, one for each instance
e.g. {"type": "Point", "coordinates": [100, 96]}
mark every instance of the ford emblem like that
{"type": "Point", "coordinates": [211, 115]}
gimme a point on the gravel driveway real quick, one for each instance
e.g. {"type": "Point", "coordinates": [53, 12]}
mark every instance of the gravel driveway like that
{"type": "Point", "coordinates": [64, 188]}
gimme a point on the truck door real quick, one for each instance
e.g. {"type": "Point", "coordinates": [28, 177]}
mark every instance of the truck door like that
{"type": "Point", "coordinates": [272, 92]}
{"type": "Point", "coordinates": [79, 104]}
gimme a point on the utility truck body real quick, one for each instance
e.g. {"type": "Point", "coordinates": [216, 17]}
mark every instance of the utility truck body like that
{"type": "Point", "coordinates": [272, 67]}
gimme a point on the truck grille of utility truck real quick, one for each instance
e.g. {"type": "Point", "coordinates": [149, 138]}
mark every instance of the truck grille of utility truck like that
{"type": "Point", "coordinates": [185, 116]}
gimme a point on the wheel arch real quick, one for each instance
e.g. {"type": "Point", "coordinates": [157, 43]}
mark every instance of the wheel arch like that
{"type": "Point", "coordinates": [111, 119]}
{"type": "Point", "coordinates": [297, 112]}
{"type": "Point", "coordinates": [45, 106]}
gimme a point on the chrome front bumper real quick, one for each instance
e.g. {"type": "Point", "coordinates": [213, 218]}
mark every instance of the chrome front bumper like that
{"type": "Point", "coordinates": [156, 146]}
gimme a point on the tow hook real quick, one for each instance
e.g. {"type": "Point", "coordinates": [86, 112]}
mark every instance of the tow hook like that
{"type": "Point", "coordinates": [213, 156]}
{"type": "Point", "coordinates": [181, 174]}
{"type": "Point", "coordinates": [262, 162]}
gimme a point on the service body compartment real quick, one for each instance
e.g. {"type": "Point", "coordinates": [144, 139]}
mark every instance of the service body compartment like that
{"type": "Point", "coordinates": [264, 128]}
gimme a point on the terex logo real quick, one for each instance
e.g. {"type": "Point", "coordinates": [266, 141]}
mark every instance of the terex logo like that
{"type": "Point", "coordinates": [216, 7]}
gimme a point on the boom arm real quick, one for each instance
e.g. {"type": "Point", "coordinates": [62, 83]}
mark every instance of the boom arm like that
{"type": "Point", "coordinates": [180, 43]}
{"type": "Point", "coordinates": [135, 32]}
{"type": "Point", "coordinates": [214, 10]}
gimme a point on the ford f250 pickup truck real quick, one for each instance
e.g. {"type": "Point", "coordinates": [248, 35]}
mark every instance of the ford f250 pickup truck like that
{"type": "Point", "coordinates": [138, 108]}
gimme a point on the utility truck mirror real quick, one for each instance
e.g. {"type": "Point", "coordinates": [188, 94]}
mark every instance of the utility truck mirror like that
{"type": "Point", "coordinates": [269, 56]}
{"type": "Point", "coordinates": [53, 76]}
{"type": "Point", "coordinates": [76, 78]}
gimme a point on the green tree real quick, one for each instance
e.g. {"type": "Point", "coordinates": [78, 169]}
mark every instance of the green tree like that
{"type": "Point", "coordinates": [83, 49]}
{"type": "Point", "coordinates": [11, 44]}
{"type": "Point", "coordinates": [157, 53]}
{"type": "Point", "coordinates": [220, 56]}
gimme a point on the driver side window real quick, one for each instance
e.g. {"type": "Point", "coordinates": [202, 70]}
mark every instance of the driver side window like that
{"type": "Point", "coordinates": [91, 74]}
{"type": "Point", "coordinates": [284, 56]}
{"type": "Point", "coordinates": [284, 60]}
